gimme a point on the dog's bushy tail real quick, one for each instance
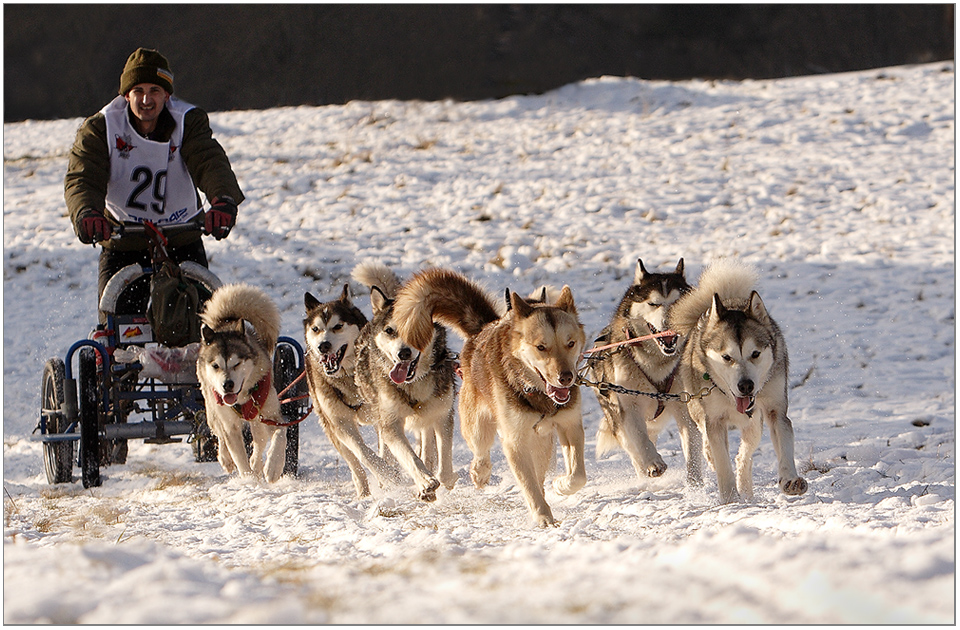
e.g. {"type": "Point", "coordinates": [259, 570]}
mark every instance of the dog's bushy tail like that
{"type": "Point", "coordinates": [730, 278]}
{"type": "Point", "coordinates": [373, 273]}
{"type": "Point", "coordinates": [606, 438]}
{"type": "Point", "coordinates": [443, 296]}
{"type": "Point", "coordinates": [233, 302]}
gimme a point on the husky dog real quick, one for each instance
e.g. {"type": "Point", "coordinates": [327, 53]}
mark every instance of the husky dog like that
{"type": "Point", "coordinates": [330, 331]}
{"type": "Point", "coordinates": [239, 331]}
{"type": "Point", "coordinates": [406, 388]}
{"type": "Point", "coordinates": [633, 421]}
{"type": "Point", "coordinates": [735, 348]}
{"type": "Point", "coordinates": [519, 373]}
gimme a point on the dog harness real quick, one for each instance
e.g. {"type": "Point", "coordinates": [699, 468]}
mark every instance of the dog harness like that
{"type": "Point", "coordinates": [663, 386]}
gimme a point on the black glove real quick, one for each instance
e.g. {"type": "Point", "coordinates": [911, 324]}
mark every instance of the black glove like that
{"type": "Point", "coordinates": [221, 216]}
{"type": "Point", "coordinates": [93, 227]}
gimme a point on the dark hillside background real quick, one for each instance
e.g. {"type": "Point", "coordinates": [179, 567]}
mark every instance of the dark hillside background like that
{"type": "Point", "coordinates": [64, 61]}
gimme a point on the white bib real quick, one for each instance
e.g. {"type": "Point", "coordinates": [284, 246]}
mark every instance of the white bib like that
{"type": "Point", "coordinates": [149, 180]}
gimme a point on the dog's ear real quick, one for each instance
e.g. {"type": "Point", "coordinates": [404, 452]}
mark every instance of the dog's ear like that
{"type": "Point", "coordinates": [543, 294]}
{"type": "Point", "coordinates": [206, 334]}
{"type": "Point", "coordinates": [378, 299]}
{"type": "Point", "coordinates": [639, 274]}
{"type": "Point", "coordinates": [756, 308]}
{"type": "Point", "coordinates": [238, 326]}
{"type": "Point", "coordinates": [310, 302]}
{"type": "Point", "coordinates": [716, 309]}
{"type": "Point", "coordinates": [506, 299]}
{"type": "Point", "coordinates": [565, 301]}
{"type": "Point", "coordinates": [679, 268]}
{"type": "Point", "coordinates": [345, 294]}
{"type": "Point", "coordinates": [520, 305]}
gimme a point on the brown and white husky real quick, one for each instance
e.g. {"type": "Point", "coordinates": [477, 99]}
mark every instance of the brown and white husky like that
{"type": "Point", "coordinates": [519, 377]}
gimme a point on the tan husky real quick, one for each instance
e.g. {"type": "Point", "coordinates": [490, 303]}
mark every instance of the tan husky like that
{"type": "Point", "coordinates": [519, 373]}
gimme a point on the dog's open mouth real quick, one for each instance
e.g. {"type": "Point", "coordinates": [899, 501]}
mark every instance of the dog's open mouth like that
{"type": "Point", "coordinates": [404, 371]}
{"type": "Point", "coordinates": [745, 403]}
{"type": "Point", "coordinates": [559, 395]}
{"type": "Point", "coordinates": [230, 399]}
{"type": "Point", "coordinates": [667, 343]}
{"type": "Point", "coordinates": [332, 360]}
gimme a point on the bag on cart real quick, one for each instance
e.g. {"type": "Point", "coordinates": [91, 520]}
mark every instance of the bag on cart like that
{"type": "Point", "coordinates": [173, 307]}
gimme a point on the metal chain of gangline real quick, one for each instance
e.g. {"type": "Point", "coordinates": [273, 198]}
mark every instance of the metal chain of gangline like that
{"type": "Point", "coordinates": [602, 353]}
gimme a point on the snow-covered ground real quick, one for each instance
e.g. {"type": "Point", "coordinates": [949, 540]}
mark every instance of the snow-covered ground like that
{"type": "Point", "coordinates": [840, 188]}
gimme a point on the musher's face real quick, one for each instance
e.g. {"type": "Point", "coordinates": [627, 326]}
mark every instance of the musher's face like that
{"type": "Point", "coordinates": [146, 102]}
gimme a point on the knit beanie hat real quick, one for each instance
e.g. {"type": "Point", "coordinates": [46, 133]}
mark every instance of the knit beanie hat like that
{"type": "Point", "coordinates": [146, 66]}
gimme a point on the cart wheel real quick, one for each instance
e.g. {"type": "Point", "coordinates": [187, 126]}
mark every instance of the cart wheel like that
{"type": "Point", "coordinates": [284, 373]}
{"type": "Point", "coordinates": [57, 456]}
{"type": "Point", "coordinates": [88, 403]}
{"type": "Point", "coordinates": [204, 443]}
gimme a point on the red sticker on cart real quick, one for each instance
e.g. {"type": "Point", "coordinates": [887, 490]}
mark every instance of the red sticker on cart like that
{"type": "Point", "coordinates": [132, 333]}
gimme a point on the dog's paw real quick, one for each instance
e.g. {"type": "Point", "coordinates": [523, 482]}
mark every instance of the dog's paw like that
{"type": "Point", "coordinates": [249, 478]}
{"type": "Point", "coordinates": [480, 472]}
{"type": "Point", "coordinates": [449, 481]}
{"type": "Point", "coordinates": [546, 520]}
{"type": "Point", "coordinates": [429, 493]}
{"type": "Point", "coordinates": [657, 468]}
{"type": "Point", "coordinates": [569, 484]}
{"type": "Point", "coordinates": [793, 487]}
{"type": "Point", "coordinates": [729, 497]}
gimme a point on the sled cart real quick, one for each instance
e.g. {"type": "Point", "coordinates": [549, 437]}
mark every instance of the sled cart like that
{"type": "Point", "coordinates": [120, 384]}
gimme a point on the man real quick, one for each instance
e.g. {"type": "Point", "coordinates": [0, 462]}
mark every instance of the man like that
{"type": "Point", "coordinates": [143, 157]}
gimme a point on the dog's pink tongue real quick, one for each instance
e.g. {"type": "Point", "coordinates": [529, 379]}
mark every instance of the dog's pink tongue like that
{"type": "Point", "coordinates": [230, 399]}
{"type": "Point", "coordinates": [743, 404]}
{"type": "Point", "coordinates": [399, 372]}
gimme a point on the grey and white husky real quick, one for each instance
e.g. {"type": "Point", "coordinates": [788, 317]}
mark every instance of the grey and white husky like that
{"type": "Point", "coordinates": [330, 331]}
{"type": "Point", "coordinates": [734, 347]}
{"type": "Point", "coordinates": [403, 388]}
{"type": "Point", "coordinates": [633, 421]}
{"type": "Point", "coordinates": [240, 326]}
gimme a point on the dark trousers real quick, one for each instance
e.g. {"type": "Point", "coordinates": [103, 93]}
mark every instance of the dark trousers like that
{"type": "Point", "coordinates": [113, 261]}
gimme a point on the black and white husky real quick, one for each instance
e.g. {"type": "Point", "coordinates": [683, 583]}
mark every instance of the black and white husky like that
{"type": "Point", "coordinates": [403, 388]}
{"type": "Point", "coordinates": [633, 421]}
{"type": "Point", "coordinates": [735, 348]}
{"type": "Point", "coordinates": [240, 326]}
{"type": "Point", "coordinates": [331, 330]}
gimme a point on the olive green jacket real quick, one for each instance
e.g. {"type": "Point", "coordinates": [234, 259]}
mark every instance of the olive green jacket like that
{"type": "Point", "coordinates": [88, 170]}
